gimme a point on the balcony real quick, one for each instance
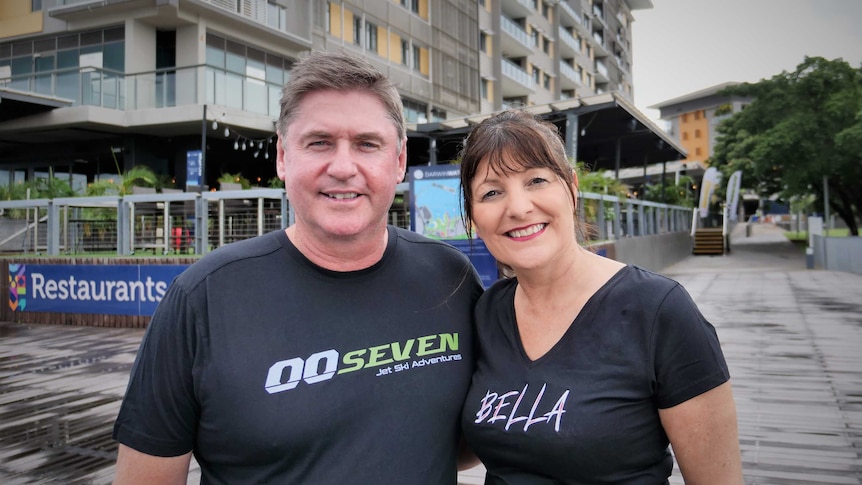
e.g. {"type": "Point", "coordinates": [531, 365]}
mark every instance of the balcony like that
{"type": "Point", "coordinates": [569, 41]}
{"type": "Point", "coordinates": [163, 88]}
{"type": "Point", "coordinates": [601, 50]}
{"type": "Point", "coordinates": [569, 17]}
{"type": "Point", "coordinates": [517, 8]}
{"type": "Point", "coordinates": [515, 42]}
{"type": "Point", "coordinates": [601, 72]}
{"type": "Point", "coordinates": [569, 77]}
{"type": "Point", "coordinates": [85, 9]}
{"type": "Point", "coordinates": [516, 81]}
{"type": "Point", "coordinates": [296, 22]}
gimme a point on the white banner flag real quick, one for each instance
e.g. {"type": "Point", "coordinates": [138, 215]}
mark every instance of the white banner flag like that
{"type": "Point", "coordinates": [707, 186]}
{"type": "Point", "coordinates": [733, 185]}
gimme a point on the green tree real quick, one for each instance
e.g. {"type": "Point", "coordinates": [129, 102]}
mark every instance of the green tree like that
{"type": "Point", "coordinates": [803, 126]}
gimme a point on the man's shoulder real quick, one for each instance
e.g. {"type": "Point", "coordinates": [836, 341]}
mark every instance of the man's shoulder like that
{"type": "Point", "coordinates": [230, 254]}
{"type": "Point", "coordinates": [419, 242]}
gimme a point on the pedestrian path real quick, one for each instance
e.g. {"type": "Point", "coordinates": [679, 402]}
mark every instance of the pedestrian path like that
{"type": "Point", "coordinates": [792, 338]}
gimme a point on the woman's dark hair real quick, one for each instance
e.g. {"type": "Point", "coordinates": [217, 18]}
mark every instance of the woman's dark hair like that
{"type": "Point", "coordinates": [513, 141]}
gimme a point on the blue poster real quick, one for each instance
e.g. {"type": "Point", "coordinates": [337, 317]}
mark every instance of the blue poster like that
{"type": "Point", "coordinates": [95, 288]}
{"type": "Point", "coordinates": [435, 212]}
{"type": "Point", "coordinates": [193, 167]}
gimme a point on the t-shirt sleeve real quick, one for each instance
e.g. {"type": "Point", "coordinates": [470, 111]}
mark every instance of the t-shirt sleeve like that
{"type": "Point", "coordinates": [159, 413]}
{"type": "Point", "coordinates": [688, 357]}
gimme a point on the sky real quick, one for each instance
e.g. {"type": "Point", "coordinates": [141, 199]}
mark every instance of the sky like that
{"type": "Point", "coordinates": [683, 46]}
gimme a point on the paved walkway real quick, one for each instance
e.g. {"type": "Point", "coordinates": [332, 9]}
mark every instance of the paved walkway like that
{"type": "Point", "coordinates": [792, 337]}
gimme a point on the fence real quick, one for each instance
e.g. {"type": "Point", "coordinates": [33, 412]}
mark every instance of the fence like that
{"type": "Point", "coordinates": [189, 223]}
{"type": "Point", "coordinates": [179, 223]}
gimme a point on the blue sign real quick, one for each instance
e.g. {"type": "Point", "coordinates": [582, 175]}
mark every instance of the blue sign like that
{"type": "Point", "coordinates": [193, 167]}
{"type": "Point", "coordinates": [435, 212]}
{"type": "Point", "coordinates": [100, 289]}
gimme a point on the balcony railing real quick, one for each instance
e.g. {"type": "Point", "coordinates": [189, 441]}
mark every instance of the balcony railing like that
{"type": "Point", "coordinates": [513, 71]}
{"type": "Point", "coordinates": [515, 30]}
{"type": "Point", "coordinates": [162, 88]}
{"type": "Point", "coordinates": [570, 72]}
{"type": "Point", "coordinates": [602, 69]}
{"type": "Point", "coordinates": [571, 12]}
{"type": "Point", "coordinates": [569, 39]}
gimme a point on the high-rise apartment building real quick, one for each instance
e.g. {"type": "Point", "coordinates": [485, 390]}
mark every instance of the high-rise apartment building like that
{"type": "Point", "coordinates": [97, 86]}
{"type": "Point", "coordinates": [540, 51]}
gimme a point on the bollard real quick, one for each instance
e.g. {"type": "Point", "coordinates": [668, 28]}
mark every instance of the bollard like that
{"type": "Point", "coordinates": [748, 230]}
{"type": "Point", "coordinates": [809, 257]}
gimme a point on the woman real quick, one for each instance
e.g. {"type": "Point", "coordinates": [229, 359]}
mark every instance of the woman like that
{"type": "Point", "coordinates": [588, 368]}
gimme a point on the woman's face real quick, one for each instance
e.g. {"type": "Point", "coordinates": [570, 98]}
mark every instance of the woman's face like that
{"type": "Point", "coordinates": [525, 218]}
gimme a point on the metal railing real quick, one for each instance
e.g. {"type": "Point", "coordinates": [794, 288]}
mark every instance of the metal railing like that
{"type": "Point", "coordinates": [191, 223]}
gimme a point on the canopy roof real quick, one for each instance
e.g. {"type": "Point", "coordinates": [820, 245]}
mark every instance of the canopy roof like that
{"type": "Point", "coordinates": [605, 131]}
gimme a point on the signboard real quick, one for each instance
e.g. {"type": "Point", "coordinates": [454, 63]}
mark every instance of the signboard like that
{"type": "Point", "coordinates": [435, 209]}
{"type": "Point", "coordinates": [193, 167]}
{"type": "Point", "coordinates": [95, 288]}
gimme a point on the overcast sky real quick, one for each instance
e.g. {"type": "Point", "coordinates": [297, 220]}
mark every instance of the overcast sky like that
{"type": "Point", "coordinates": [683, 46]}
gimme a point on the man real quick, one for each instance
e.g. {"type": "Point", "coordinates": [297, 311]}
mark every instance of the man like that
{"type": "Point", "coordinates": [336, 351]}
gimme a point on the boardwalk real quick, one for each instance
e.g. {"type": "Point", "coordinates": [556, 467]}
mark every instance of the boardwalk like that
{"type": "Point", "coordinates": [792, 337]}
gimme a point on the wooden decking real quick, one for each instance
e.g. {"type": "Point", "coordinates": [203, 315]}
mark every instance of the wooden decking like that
{"type": "Point", "coordinates": [792, 338]}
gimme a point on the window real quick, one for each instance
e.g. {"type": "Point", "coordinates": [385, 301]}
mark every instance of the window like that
{"type": "Point", "coordinates": [417, 58]}
{"type": "Point", "coordinates": [484, 89]}
{"type": "Point", "coordinates": [684, 118]}
{"type": "Point", "coordinates": [697, 115]}
{"type": "Point", "coordinates": [357, 30]}
{"type": "Point", "coordinates": [405, 53]}
{"type": "Point", "coordinates": [546, 81]}
{"type": "Point", "coordinates": [414, 112]}
{"type": "Point", "coordinates": [697, 151]}
{"type": "Point", "coordinates": [534, 35]}
{"type": "Point", "coordinates": [483, 42]}
{"type": "Point", "coordinates": [35, 5]}
{"type": "Point", "coordinates": [536, 75]}
{"type": "Point", "coordinates": [697, 133]}
{"type": "Point", "coordinates": [546, 45]}
{"type": "Point", "coordinates": [438, 114]}
{"type": "Point", "coordinates": [371, 37]}
{"type": "Point", "coordinates": [685, 135]}
{"type": "Point", "coordinates": [412, 5]}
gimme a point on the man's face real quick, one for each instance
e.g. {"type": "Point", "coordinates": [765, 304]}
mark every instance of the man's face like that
{"type": "Point", "coordinates": [340, 162]}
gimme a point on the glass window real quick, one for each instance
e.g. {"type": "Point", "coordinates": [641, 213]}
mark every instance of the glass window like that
{"type": "Point", "coordinates": [235, 57]}
{"type": "Point", "coordinates": [405, 53]}
{"type": "Point", "coordinates": [35, 5]}
{"type": "Point", "coordinates": [67, 79]}
{"type": "Point", "coordinates": [45, 81]}
{"type": "Point", "coordinates": [357, 30]}
{"type": "Point", "coordinates": [371, 37]}
{"type": "Point", "coordinates": [215, 56]}
{"type": "Point", "coordinates": [114, 56]}
{"type": "Point", "coordinates": [417, 58]}
{"type": "Point", "coordinates": [91, 38]}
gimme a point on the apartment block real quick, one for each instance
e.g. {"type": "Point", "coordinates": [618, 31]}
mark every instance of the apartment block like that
{"type": "Point", "coordinates": [538, 51]}
{"type": "Point", "coordinates": [90, 87]}
{"type": "Point", "coordinates": [694, 118]}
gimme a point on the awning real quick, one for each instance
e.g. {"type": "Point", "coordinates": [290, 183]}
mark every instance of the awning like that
{"type": "Point", "coordinates": [608, 133]}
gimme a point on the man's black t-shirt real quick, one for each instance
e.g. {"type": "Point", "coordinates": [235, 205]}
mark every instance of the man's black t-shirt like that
{"type": "Point", "coordinates": [275, 370]}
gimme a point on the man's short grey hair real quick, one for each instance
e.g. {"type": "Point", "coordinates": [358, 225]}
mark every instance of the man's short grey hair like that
{"type": "Point", "coordinates": [339, 71]}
